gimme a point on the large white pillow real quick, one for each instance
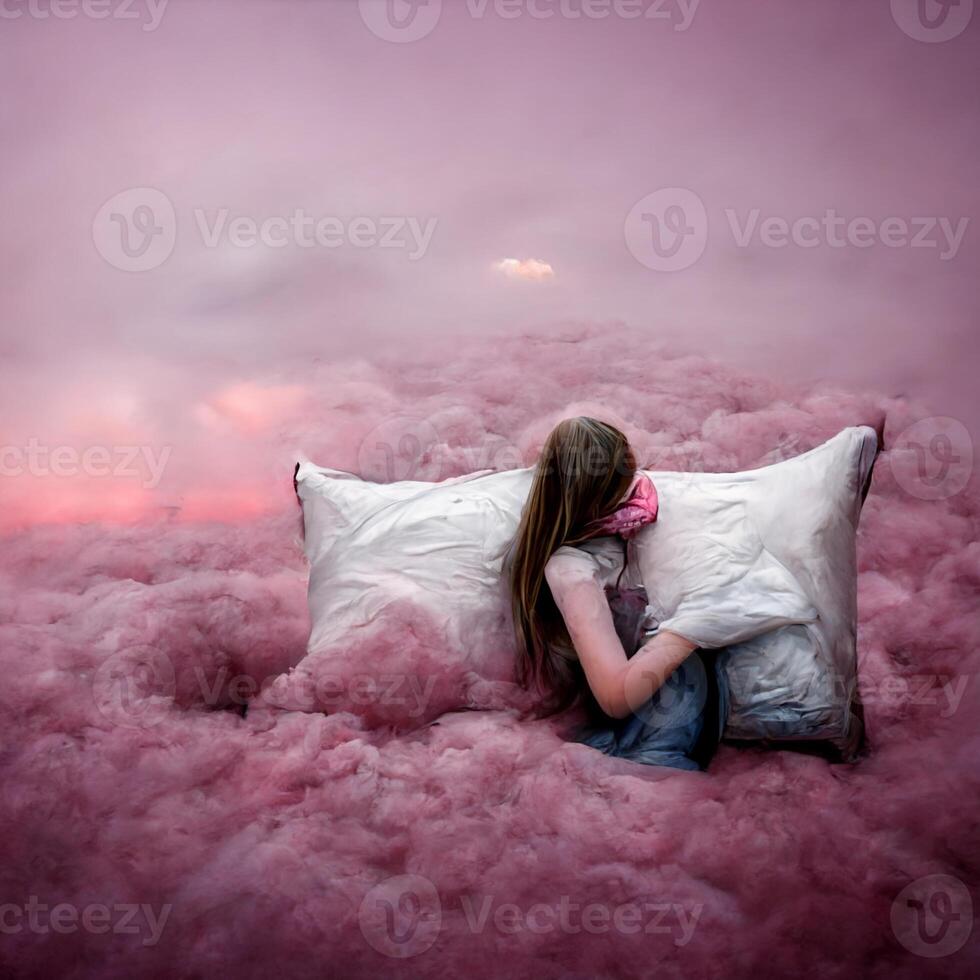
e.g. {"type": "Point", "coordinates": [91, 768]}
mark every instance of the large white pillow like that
{"type": "Point", "coordinates": [406, 584]}
{"type": "Point", "coordinates": [763, 563]}
{"type": "Point", "coordinates": [409, 611]}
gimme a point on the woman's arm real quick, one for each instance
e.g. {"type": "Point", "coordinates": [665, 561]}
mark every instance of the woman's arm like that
{"type": "Point", "coordinates": [620, 685]}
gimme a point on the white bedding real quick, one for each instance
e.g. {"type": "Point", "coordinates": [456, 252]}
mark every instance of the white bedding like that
{"type": "Point", "coordinates": [760, 563]}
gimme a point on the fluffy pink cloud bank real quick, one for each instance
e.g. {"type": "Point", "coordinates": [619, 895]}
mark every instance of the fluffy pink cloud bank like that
{"type": "Point", "coordinates": [278, 843]}
{"type": "Point", "coordinates": [153, 576]}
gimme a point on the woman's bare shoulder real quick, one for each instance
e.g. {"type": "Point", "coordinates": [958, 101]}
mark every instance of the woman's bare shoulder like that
{"type": "Point", "coordinates": [570, 564]}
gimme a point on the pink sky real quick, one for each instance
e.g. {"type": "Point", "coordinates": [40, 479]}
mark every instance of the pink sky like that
{"type": "Point", "coordinates": [521, 137]}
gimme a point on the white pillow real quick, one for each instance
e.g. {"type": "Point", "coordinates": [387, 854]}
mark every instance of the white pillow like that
{"type": "Point", "coordinates": [763, 559]}
{"type": "Point", "coordinates": [409, 611]}
{"type": "Point", "coordinates": [763, 563]}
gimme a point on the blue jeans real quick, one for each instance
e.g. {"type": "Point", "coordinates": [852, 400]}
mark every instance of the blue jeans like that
{"type": "Point", "coordinates": [680, 726]}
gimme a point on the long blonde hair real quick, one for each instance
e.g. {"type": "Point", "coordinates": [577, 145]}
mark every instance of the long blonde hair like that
{"type": "Point", "coordinates": [585, 468]}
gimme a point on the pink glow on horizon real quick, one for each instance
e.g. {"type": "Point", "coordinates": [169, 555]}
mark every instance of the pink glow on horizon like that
{"type": "Point", "coordinates": [251, 407]}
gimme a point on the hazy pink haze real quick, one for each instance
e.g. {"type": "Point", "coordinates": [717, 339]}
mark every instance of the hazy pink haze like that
{"type": "Point", "coordinates": [494, 255]}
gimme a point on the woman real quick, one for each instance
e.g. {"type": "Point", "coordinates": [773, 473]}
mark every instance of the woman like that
{"type": "Point", "coordinates": [661, 705]}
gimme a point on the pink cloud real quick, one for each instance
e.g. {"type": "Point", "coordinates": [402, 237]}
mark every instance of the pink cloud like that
{"type": "Point", "coordinates": [531, 269]}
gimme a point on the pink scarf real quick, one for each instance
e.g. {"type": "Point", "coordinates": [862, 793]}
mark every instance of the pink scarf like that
{"type": "Point", "coordinates": [638, 510]}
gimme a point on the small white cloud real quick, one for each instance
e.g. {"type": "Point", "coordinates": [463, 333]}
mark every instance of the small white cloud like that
{"type": "Point", "coordinates": [533, 269]}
